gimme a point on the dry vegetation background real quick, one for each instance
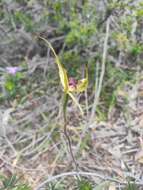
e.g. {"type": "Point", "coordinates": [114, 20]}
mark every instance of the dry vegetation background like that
{"type": "Point", "coordinates": [108, 141]}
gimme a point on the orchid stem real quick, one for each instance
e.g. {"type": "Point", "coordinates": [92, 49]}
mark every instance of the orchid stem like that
{"type": "Point", "coordinates": [66, 97]}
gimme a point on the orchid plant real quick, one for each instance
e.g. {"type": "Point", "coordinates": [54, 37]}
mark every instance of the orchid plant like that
{"type": "Point", "coordinates": [69, 84]}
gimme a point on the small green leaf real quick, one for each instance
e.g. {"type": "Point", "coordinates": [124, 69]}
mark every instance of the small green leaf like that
{"type": "Point", "coordinates": [10, 182]}
{"type": "Point", "coordinates": [131, 186]}
{"type": "Point", "coordinates": [9, 85]}
{"type": "Point", "coordinates": [84, 185]}
{"type": "Point", "coordinates": [22, 187]}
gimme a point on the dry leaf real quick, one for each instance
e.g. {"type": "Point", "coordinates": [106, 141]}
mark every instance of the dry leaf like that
{"type": "Point", "coordinates": [139, 157]}
{"type": "Point", "coordinates": [112, 186]}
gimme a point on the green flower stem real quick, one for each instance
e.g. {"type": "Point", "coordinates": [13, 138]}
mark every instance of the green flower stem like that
{"type": "Point", "coordinates": [66, 97]}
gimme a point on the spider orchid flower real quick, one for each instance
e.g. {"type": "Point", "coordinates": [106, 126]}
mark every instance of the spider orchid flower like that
{"type": "Point", "coordinates": [70, 85]}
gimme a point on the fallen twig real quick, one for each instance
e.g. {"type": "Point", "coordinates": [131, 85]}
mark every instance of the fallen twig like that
{"type": "Point", "coordinates": [52, 178]}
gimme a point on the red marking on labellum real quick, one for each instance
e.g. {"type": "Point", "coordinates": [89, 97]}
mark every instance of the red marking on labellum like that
{"type": "Point", "coordinates": [72, 82]}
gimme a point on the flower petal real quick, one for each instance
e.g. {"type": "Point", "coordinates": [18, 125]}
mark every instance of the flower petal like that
{"type": "Point", "coordinates": [62, 70]}
{"type": "Point", "coordinates": [12, 70]}
{"type": "Point", "coordinates": [63, 78]}
{"type": "Point", "coordinates": [81, 85]}
{"type": "Point", "coordinates": [76, 102]}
